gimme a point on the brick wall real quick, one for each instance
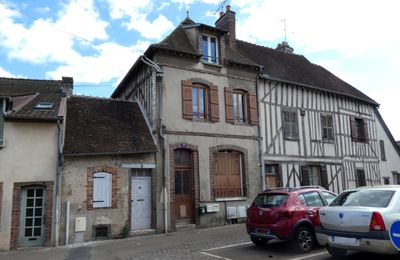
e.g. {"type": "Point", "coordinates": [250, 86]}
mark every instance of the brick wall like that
{"type": "Point", "coordinates": [89, 187]}
{"type": "Point", "coordinates": [16, 205]}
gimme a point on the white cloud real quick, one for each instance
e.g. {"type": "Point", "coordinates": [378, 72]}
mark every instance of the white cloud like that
{"type": "Point", "coordinates": [137, 13]}
{"type": "Point", "coordinates": [6, 74]}
{"type": "Point", "coordinates": [114, 60]}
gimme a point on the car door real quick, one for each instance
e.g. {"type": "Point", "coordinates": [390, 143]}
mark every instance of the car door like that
{"type": "Point", "coordinates": [314, 202]}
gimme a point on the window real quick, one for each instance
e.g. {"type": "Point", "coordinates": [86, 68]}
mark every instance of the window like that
{"type": "Point", "coordinates": [327, 127]}
{"type": "Point", "coordinates": [360, 178]}
{"type": "Point", "coordinates": [359, 130]}
{"type": "Point", "coordinates": [290, 126]}
{"type": "Point", "coordinates": [240, 107]}
{"type": "Point", "coordinates": [102, 190]}
{"type": "Point", "coordinates": [382, 146]}
{"type": "Point", "coordinates": [199, 101]}
{"type": "Point", "coordinates": [365, 198]}
{"type": "Point", "coordinates": [312, 199]}
{"type": "Point", "coordinates": [329, 197]}
{"type": "Point", "coordinates": [271, 175]}
{"type": "Point", "coordinates": [314, 175]}
{"type": "Point", "coordinates": [270, 200]}
{"type": "Point", "coordinates": [210, 49]}
{"type": "Point", "coordinates": [228, 174]}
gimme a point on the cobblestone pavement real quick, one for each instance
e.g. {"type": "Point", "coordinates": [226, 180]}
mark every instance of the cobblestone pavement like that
{"type": "Point", "coordinates": [177, 245]}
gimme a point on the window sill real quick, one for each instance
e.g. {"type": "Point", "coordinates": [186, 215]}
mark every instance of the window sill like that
{"type": "Point", "coordinates": [328, 141]}
{"type": "Point", "coordinates": [291, 139]}
{"type": "Point", "coordinates": [231, 199]}
{"type": "Point", "coordinates": [211, 64]}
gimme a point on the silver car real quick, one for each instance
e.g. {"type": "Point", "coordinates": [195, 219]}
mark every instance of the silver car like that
{"type": "Point", "coordinates": [360, 219]}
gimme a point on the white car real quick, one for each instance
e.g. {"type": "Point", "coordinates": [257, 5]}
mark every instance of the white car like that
{"type": "Point", "coordinates": [360, 219]}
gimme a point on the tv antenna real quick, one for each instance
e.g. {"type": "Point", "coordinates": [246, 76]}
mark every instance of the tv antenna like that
{"type": "Point", "coordinates": [220, 7]}
{"type": "Point", "coordinates": [284, 28]}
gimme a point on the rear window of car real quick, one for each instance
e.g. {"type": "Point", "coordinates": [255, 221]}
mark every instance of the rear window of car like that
{"type": "Point", "coordinates": [364, 198]}
{"type": "Point", "coordinates": [270, 200]}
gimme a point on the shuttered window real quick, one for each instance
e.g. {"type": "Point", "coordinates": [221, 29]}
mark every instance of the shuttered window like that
{"type": "Point", "coordinates": [199, 102]}
{"type": "Point", "coordinates": [228, 177]}
{"type": "Point", "coordinates": [383, 153]}
{"type": "Point", "coordinates": [314, 175]}
{"type": "Point", "coordinates": [327, 127]}
{"type": "Point", "coordinates": [102, 190]}
{"type": "Point", "coordinates": [359, 130]}
{"type": "Point", "coordinates": [240, 107]}
{"type": "Point", "coordinates": [290, 124]}
{"type": "Point", "coordinates": [360, 178]}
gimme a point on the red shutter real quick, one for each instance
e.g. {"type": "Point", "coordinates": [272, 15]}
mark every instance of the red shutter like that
{"type": "Point", "coordinates": [253, 109]}
{"type": "Point", "coordinates": [229, 105]}
{"type": "Point", "coordinates": [187, 106]}
{"type": "Point", "coordinates": [214, 108]}
{"type": "Point", "coordinates": [365, 131]}
{"type": "Point", "coordinates": [353, 128]}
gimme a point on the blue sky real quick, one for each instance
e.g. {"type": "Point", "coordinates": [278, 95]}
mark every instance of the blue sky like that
{"type": "Point", "coordinates": [97, 41]}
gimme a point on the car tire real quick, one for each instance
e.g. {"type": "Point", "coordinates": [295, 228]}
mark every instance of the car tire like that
{"type": "Point", "coordinates": [259, 241]}
{"type": "Point", "coordinates": [304, 239]}
{"type": "Point", "coordinates": [336, 252]}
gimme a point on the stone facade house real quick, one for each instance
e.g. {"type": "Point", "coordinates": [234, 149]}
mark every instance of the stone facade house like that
{"type": "Point", "coordinates": [232, 118]}
{"type": "Point", "coordinates": [108, 181]}
{"type": "Point", "coordinates": [31, 120]}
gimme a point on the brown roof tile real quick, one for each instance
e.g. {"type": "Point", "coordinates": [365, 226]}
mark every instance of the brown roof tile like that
{"type": "Point", "coordinates": [105, 126]}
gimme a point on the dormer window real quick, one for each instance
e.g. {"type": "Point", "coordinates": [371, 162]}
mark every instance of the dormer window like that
{"type": "Point", "coordinates": [210, 49]}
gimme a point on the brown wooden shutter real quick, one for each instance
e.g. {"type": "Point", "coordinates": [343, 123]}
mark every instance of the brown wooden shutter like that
{"type": "Point", "coordinates": [229, 105]}
{"type": "Point", "coordinates": [365, 137]}
{"type": "Point", "coordinates": [324, 177]}
{"type": "Point", "coordinates": [214, 107]}
{"type": "Point", "coordinates": [305, 178]}
{"type": "Point", "coordinates": [187, 106]}
{"type": "Point", "coordinates": [253, 109]}
{"type": "Point", "coordinates": [353, 128]}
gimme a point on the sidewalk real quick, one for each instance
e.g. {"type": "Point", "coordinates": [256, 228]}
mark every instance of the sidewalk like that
{"type": "Point", "coordinates": [177, 245]}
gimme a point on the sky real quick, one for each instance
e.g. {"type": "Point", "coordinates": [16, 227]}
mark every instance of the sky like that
{"type": "Point", "coordinates": [97, 41]}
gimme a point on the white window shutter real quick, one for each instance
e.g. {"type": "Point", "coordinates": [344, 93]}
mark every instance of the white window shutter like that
{"type": "Point", "coordinates": [102, 187]}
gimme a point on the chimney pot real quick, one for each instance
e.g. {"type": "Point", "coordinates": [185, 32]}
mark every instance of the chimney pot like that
{"type": "Point", "coordinates": [228, 8]}
{"type": "Point", "coordinates": [221, 14]}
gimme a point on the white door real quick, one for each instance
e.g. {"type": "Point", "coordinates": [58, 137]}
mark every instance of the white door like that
{"type": "Point", "coordinates": [141, 203]}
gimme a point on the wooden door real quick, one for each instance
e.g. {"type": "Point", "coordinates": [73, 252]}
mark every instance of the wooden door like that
{"type": "Point", "coordinates": [227, 177]}
{"type": "Point", "coordinates": [271, 176]}
{"type": "Point", "coordinates": [141, 203]}
{"type": "Point", "coordinates": [184, 191]}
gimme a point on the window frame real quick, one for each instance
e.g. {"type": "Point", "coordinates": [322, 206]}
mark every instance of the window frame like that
{"type": "Point", "coordinates": [291, 127]}
{"type": "Point", "coordinates": [236, 93]}
{"type": "Point", "coordinates": [209, 58]}
{"type": "Point", "coordinates": [382, 150]}
{"type": "Point", "coordinates": [107, 202]}
{"type": "Point", "coordinates": [359, 129]}
{"type": "Point", "coordinates": [206, 103]}
{"type": "Point", "coordinates": [330, 130]}
{"type": "Point", "coordinates": [362, 180]}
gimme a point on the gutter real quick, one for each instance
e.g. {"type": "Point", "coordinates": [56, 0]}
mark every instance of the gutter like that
{"type": "Point", "coordinates": [160, 74]}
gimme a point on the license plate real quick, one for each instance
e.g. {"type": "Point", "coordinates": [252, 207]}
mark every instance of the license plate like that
{"type": "Point", "coordinates": [263, 231]}
{"type": "Point", "coordinates": [345, 241]}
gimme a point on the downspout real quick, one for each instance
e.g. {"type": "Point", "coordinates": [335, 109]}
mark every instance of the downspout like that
{"type": "Point", "coordinates": [160, 74]}
{"type": "Point", "coordinates": [259, 137]}
{"type": "Point", "coordinates": [58, 182]}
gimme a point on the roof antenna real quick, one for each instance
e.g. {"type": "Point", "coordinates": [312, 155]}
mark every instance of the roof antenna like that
{"type": "Point", "coordinates": [284, 28]}
{"type": "Point", "coordinates": [187, 13]}
{"type": "Point", "coordinates": [220, 7]}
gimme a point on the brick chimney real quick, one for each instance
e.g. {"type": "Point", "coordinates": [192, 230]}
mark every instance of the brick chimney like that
{"type": "Point", "coordinates": [67, 85]}
{"type": "Point", "coordinates": [227, 22]}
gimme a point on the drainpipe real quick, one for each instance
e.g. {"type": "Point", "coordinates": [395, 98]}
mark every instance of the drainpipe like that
{"type": "Point", "coordinates": [160, 74]}
{"type": "Point", "coordinates": [58, 182]}
{"type": "Point", "coordinates": [259, 138]}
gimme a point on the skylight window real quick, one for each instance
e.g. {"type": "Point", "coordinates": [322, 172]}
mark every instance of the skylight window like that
{"type": "Point", "coordinates": [44, 105]}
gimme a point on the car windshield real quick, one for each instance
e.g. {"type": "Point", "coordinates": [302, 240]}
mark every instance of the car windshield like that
{"type": "Point", "coordinates": [270, 200]}
{"type": "Point", "coordinates": [364, 198]}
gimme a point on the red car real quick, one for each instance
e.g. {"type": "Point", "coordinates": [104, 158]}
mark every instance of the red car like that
{"type": "Point", "coordinates": [287, 214]}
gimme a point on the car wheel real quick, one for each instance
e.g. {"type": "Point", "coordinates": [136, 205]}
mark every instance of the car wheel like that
{"type": "Point", "coordinates": [336, 252]}
{"type": "Point", "coordinates": [304, 239]}
{"type": "Point", "coordinates": [259, 241]}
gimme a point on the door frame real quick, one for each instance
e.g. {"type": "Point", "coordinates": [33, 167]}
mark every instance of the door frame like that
{"type": "Point", "coordinates": [16, 211]}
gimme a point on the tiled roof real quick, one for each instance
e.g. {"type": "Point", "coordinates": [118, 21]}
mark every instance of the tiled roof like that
{"type": "Point", "coordinates": [297, 69]}
{"type": "Point", "coordinates": [39, 91]}
{"type": "Point", "coordinates": [96, 126]}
